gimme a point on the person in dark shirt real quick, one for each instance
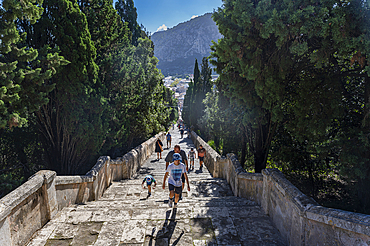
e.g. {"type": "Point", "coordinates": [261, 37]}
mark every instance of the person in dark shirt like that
{"type": "Point", "coordinates": [182, 153]}
{"type": "Point", "coordinates": [169, 138]}
{"type": "Point", "coordinates": [158, 148]}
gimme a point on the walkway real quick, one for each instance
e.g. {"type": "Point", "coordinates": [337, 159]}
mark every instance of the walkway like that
{"type": "Point", "coordinates": [208, 215]}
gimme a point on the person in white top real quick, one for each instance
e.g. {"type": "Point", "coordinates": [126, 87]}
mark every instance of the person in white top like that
{"type": "Point", "coordinates": [174, 171]}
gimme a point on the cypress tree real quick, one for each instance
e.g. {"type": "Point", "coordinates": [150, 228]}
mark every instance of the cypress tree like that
{"type": "Point", "coordinates": [105, 25]}
{"type": "Point", "coordinates": [288, 62]}
{"type": "Point", "coordinates": [206, 77]}
{"type": "Point", "coordinates": [71, 122]}
{"type": "Point", "coordinates": [195, 109]}
{"type": "Point", "coordinates": [186, 111]}
{"type": "Point", "coordinates": [128, 14]}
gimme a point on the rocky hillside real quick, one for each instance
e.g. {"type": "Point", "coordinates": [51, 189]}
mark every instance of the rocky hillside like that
{"type": "Point", "coordinates": [178, 47]}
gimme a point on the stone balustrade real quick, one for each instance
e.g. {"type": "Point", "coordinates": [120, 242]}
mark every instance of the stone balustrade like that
{"type": "Point", "coordinates": [29, 207]}
{"type": "Point", "coordinates": [300, 220]}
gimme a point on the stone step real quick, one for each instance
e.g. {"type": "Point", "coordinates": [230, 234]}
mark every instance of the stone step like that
{"type": "Point", "coordinates": [208, 214]}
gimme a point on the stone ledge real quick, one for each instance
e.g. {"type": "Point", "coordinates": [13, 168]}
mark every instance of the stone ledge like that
{"type": "Point", "coordinates": [234, 160]}
{"type": "Point", "coordinates": [64, 180]}
{"type": "Point", "coordinates": [299, 199]}
{"type": "Point", "coordinates": [102, 160]}
{"type": "Point", "coordinates": [251, 176]}
{"type": "Point", "coordinates": [350, 221]}
{"type": "Point", "coordinates": [18, 195]}
{"type": "Point", "coordinates": [118, 161]}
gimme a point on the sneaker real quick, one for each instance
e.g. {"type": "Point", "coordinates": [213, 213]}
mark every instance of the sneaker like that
{"type": "Point", "coordinates": [175, 205]}
{"type": "Point", "coordinates": [170, 202]}
{"type": "Point", "coordinates": [149, 194]}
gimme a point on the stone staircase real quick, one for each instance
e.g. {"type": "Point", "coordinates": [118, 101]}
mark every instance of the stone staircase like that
{"type": "Point", "coordinates": [207, 215]}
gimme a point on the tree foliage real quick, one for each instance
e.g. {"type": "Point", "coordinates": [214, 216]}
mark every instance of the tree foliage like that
{"type": "Point", "coordinates": [107, 98]}
{"type": "Point", "coordinates": [23, 70]}
{"type": "Point", "coordinates": [300, 73]}
{"type": "Point", "coordinates": [276, 55]}
{"type": "Point", "coordinates": [128, 14]}
{"type": "Point", "coordinates": [196, 93]}
{"type": "Point", "coordinates": [70, 123]}
{"type": "Point", "coordinates": [136, 96]}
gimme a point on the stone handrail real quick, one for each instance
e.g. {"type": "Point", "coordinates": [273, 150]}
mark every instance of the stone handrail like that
{"type": "Point", "coordinates": [29, 207]}
{"type": "Point", "coordinates": [300, 220]}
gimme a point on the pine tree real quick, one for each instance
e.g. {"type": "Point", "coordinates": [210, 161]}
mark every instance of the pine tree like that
{"type": "Point", "coordinates": [23, 70]}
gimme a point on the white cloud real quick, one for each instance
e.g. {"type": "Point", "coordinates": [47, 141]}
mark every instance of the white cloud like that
{"type": "Point", "coordinates": [162, 28]}
{"type": "Point", "coordinates": [194, 16]}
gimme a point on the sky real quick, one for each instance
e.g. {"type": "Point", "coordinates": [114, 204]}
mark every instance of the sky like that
{"type": "Point", "coordinates": [162, 14]}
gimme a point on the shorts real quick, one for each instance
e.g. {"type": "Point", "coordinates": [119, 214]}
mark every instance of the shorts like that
{"type": "Point", "coordinates": [201, 158]}
{"type": "Point", "coordinates": [149, 183]}
{"type": "Point", "coordinates": [191, 158]}
{"type": "Point", "coordinates": [177, 189]}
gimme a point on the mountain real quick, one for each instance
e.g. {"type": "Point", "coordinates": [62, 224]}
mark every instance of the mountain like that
{"type": "Point", "coordinates": [178, 47]}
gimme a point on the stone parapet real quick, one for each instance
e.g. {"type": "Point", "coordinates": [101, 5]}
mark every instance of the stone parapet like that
{"type": "Point", "coordinates": [300, 219]}
{"type": "Point", "coordinates": [29, 207]}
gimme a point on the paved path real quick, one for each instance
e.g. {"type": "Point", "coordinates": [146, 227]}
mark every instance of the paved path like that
{"type": "Point", "coordinates": [208, 215]}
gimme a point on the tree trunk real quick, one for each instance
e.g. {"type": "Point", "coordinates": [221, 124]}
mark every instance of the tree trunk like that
{"type": "Point", "coordinates": [261, 142]}
{"type": "Point", "coordinates": [364, 183]}
{"type": "Point", "coordinates": [244, 151]}
{"type": "Point", "coordinates": [260, 149]}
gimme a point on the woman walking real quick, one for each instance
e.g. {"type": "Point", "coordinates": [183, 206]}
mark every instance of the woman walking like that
{"type": "Point", "coordinates": [158, 148]}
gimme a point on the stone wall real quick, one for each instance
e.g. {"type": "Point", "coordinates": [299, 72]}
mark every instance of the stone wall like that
{"type": "Point", "coordinates": [29, 207]}
{"type": "Point", "coordinates": [300, 220]}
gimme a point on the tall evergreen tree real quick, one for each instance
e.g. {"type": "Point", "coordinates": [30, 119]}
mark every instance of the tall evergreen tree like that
{"type": "Point", "coordinates": [206, 77]}
{"type": "Point", "coordinates": [23, 70]}
{"type": "Point", "coordinates": [195, 104]}
{"type": "Point", "coordinates": [128, 13]}
{"type": "Point", "coordinates": [188, 103]}
{"type": "Point", "coordinates": [204, 87]}
{"type": "Point", "coordinates": [196, 93]}
{"type": "Point", "coordinates": [284, 49]}
{"type": "Point", "coordinates": [105, 25]}
{"type": "Point", "coordinates": [136, 97]}
{"type": "Point", "coordinates": [71, 121]}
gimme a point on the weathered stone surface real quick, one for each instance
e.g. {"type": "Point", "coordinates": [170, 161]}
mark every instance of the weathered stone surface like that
{"type": "Point", "coordinates": [4, 232]}
{"type": "Point", "coordinates": [209, 214]}
{"type": "Point", "coordinates": [298, 217]}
